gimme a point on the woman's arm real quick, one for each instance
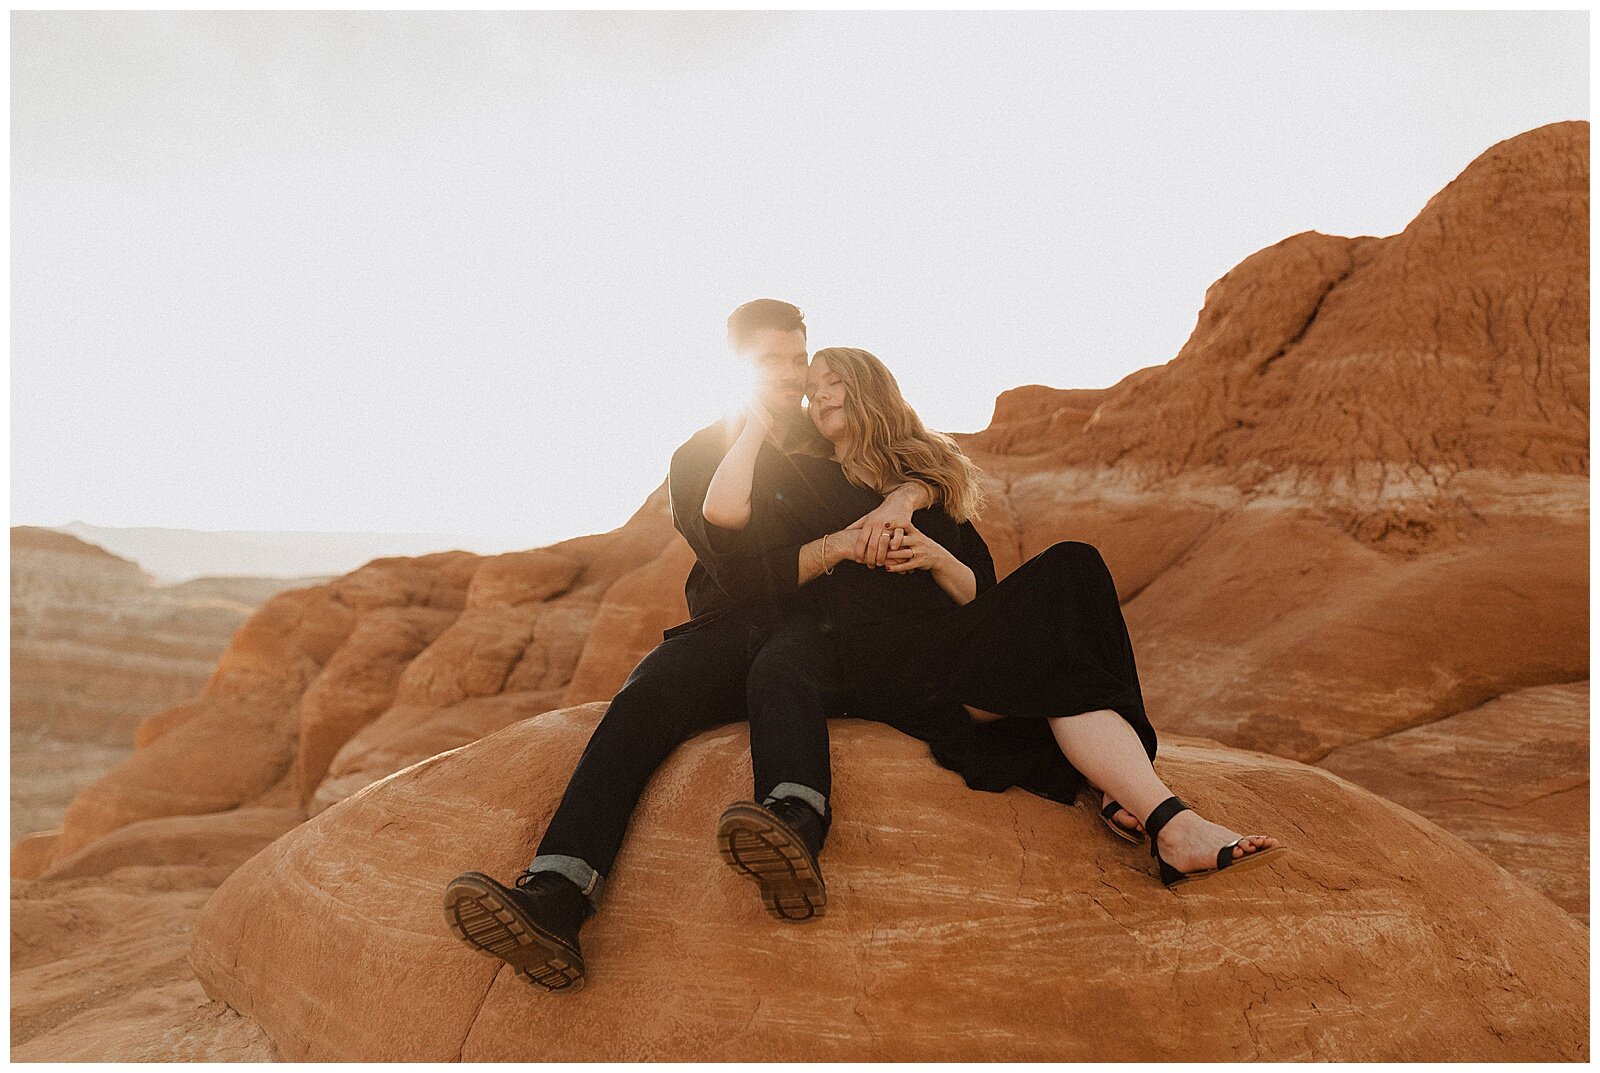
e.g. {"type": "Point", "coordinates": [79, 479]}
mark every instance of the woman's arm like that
{"type": "Point", "coordinates": [920, 552]}
{"type": "Point", "coordinates": [727, 502]}
{"type": "Point", "coordinates": [971, 549]}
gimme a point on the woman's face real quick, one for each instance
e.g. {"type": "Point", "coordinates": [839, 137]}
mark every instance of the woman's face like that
{"type": "Point", "coordinates": [827, 395]}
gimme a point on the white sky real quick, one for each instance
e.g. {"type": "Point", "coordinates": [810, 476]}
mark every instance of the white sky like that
{"type": "Point", "coordinates": [467, 273]}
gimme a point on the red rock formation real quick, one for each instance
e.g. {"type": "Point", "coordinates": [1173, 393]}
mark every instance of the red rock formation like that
{"type": "Point", "coordinates": [1380, 368]}
{"type": "Point", "coordinates": [514, 650]}
{"type": "Point", "coordinates": [96, 646]}
{"type": "Point", "coordinates": [98, 965]}
{"type": "Point", "coordinates": [1348, 516]}
{"type": "Point", "coordinates": [961, 926]}
{"type": "Point", "coordinates": [1356, 501]}
{"type": "Point", "coordinates": [1509, 776]}
{"type": "Point", "coordinates": [1233, 491]}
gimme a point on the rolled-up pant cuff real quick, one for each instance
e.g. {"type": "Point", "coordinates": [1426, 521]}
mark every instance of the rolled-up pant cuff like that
{"type": "Point", "coordinates": [574, 868]}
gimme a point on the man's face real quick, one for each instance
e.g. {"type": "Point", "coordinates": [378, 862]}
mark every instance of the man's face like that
{"type": "Point", "coordinates": [779, 361]}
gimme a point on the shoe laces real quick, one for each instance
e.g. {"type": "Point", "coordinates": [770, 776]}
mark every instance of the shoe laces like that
{"type": "Point", "coordinates": [528, 879]}
{"type": "Point", "coordinates": [795, 812]}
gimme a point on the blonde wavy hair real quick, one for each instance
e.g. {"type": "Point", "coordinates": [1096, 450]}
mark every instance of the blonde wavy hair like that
{"type": "Point", "coordinates": [886, 443]}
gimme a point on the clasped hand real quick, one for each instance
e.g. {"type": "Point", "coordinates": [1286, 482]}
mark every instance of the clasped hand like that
{"type": "Point", "coordinates": [902, 548]}
{"type": "Point", "coordinates": [883, 529]}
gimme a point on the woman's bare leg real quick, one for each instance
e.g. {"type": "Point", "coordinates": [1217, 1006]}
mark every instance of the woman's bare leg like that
{"type": "Point", "coordinates": [1108, 752]}
{"type": "Point", "coordinates": [1122, 818]}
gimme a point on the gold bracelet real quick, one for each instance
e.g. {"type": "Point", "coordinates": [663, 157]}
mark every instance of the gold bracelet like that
{"type": "Point", "coordinates": [826, 569]}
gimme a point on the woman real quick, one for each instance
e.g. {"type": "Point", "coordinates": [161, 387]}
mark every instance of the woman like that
{"type": "Point", "coordinates": [1029, 682]}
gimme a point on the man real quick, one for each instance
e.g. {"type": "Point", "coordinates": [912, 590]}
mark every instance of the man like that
{"type": "Point", "coordinates": [738, 657]}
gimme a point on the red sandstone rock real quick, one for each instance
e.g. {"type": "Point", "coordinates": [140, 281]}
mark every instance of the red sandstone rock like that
{"type": "Point", "coordinates": [1510, 777]}
{"type": "Point", "coordinates": [1381, 366]}
{"type": "Point", "coordinates": [239, 740]}
{"type": "Point", "coordinates": [406, 735]}
{"type": "Point", "coordinates": [31, 856]}
{"type": "Point", "coordinates": [519, 578]}
{"type": "Point", "coordinates": [216, 843]}
{"type": "Point", "coordinates": [506, 659]}
{"type": "Point", "coordinates": [98, 973]}
{"type": "Point", "coordinates": [961, 925]}
{"type": "Point", "coordinates": [1035, 416]}
{"type": "Point", "coordinates": [358, 684]}
{"type": "Point", "coordinates": [630, 621]}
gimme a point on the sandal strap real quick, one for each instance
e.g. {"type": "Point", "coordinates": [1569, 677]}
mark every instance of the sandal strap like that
{"type": "Point", "coordinates": [1110, 810]}
{"type": "Point", "coordinates": [1159, 818]}
{"type": "Point", "coordinates": [1225, 854]}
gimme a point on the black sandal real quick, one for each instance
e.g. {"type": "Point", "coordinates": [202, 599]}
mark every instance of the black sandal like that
{"type": "Point", "coordinates": [1109, 814]}
{"type": "Point", "coordinates": [1162, 814]}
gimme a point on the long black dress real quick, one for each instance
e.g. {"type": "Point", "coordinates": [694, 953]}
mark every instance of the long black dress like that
{"type": "Point", "coordinates": [1047, 641]}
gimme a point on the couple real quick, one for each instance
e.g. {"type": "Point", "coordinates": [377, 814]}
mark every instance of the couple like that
{"type": "Point", "coordinates": [837, 569]}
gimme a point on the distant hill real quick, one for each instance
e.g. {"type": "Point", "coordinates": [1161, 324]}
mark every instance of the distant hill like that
{"type": "Point", "coordinates": [183, 554]}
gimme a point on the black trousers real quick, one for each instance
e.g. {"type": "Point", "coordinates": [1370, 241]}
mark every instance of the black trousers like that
{"type": "Point", "coordinates": [777, 670]}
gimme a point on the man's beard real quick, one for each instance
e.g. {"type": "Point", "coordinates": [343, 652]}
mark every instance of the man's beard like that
{"type": "Point", "coordinates": [785, 416]}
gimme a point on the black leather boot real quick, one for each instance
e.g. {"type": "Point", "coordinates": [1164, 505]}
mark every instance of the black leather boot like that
{"type": "Point", "coordinates": [777, 846]}
{"type": "Point", "coordinates": [532, 926]}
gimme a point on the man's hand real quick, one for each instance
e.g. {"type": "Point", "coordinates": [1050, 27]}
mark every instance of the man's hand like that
{"type": "Point", "coordinates": [821, 555]}
{"type": "Point", "coordinates": [882, 530]}
{"type": "Point", "coordinates": [844, 547]}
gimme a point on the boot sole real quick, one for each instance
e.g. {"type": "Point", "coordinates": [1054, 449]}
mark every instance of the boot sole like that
{"type": "Point", "coordinates": [482, 914]}
{"type": "Point", "coordinates": [759, 845]}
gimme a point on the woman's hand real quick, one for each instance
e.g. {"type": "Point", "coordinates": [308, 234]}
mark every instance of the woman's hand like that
{"type": "Point", "coordinates": [920, 552]}
{"type": "Point", "coordinates": [727, 501]}
{"type": "Point", "coordinates": [917, 552]}
{"type": "Point", "coordinates": [755, 421]}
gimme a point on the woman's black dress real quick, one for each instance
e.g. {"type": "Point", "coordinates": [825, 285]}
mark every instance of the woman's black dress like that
{"type": "Point", "coordinates": [1047, 641]}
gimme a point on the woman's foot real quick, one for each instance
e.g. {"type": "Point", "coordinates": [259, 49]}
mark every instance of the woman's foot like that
{"type": "Point", "coordinates": [1189, 842]}
{"type": "Point", "coordinates": [1123, 818]}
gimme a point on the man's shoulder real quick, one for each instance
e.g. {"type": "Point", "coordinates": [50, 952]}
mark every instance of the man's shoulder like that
{"type": "Point", "coordinates": [714, 434]}
{"type": "Point", "coordinates": [708, 444]}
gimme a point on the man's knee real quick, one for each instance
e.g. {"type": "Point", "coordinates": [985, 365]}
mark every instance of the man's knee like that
{"type": "Point", "coordinates": [645, 709]}
{"type": "Point", "coordinates": [679, 679]}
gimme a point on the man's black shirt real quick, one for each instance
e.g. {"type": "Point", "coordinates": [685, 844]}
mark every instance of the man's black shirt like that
{"type": "Point", "coordinates": [732, 568]}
